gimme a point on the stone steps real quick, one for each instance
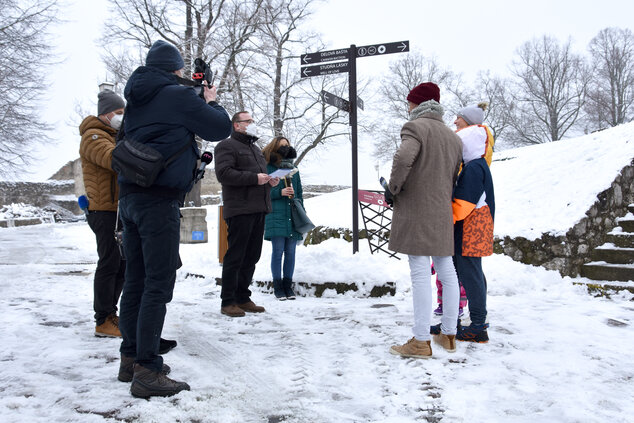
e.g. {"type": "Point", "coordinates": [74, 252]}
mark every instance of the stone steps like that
{"type": "Point", "coordinates": [610, 253]}
{"type": "Point", "coordinates": [627, 225]}
{"type": "Point", "coordinates": [602, 271]}
{"type": "Point", "coordinates": [621, 239]}
{"type": "Point", "coordinates": [613, 261]}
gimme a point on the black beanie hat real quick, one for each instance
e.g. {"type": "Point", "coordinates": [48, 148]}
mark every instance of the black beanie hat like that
{"type": "Point", "coordinates": [108, 101]}
{"type": "Point", "coordinates": [164, 56]}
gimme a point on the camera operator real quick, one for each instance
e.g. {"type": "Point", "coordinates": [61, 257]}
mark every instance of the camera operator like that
{"type": "Point", "coordinates": [164, 115]}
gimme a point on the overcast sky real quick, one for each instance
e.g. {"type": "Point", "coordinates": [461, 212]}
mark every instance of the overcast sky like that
{"type": "Point", "coordinates": [465, 36]}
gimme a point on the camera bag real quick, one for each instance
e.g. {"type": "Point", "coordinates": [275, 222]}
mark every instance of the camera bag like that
{"type": "Point", "coordinates": [137, 162]}
{"type": "Point", "coordinates": [140, 163]}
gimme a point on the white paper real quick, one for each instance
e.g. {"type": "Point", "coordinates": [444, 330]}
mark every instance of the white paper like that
{"type": "Point", "coordinates": [280, 173]}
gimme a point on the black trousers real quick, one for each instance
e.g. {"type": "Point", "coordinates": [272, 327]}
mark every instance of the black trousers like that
{"type": "Point", "coordinates": [245, 234]}
{"type": "Point", "coordinates": [110, 272]}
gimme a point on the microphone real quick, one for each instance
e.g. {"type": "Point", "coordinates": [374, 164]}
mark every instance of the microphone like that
{"type": "Point", "coordinates": [83, 204]}
{"type": "Point", "coordinates": [205, 159]}
{"type": "Point", "coordinates": [389, 198]}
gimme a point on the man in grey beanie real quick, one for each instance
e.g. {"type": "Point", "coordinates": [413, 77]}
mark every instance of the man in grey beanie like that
{"type": "Point", "coordinates": [95, 151]}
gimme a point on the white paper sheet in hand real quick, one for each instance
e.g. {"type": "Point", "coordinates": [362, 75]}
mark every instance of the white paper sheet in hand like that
{"type": "Point", "coordinates": [280, 173]}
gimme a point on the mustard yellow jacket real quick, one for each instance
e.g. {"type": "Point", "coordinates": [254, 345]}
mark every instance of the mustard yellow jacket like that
{"type": "Point", "coordinates": [95, 151]}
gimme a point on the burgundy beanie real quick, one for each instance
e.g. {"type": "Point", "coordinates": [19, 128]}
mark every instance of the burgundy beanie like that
{"type": "Point", "coordinates": [424, 92]}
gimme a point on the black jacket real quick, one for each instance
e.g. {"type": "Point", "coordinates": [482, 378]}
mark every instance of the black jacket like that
{"type": "Point", "coordinates": [165, 115]}
{"type": "Point", "coordinates": [237, 163]}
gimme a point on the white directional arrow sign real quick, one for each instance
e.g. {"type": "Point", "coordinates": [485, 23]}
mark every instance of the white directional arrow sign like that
{"type": "Point", "coordinates": [325, 69]}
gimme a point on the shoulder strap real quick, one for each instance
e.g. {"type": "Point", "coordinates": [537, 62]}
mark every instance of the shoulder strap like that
{"type": "Point", "coordinates": [178, 153]}
{"type": "Point", "coordinates": [121, 135]}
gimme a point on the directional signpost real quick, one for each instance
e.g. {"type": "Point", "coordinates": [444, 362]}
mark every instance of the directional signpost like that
{"type": "Point", "coordinates": [345, 60]}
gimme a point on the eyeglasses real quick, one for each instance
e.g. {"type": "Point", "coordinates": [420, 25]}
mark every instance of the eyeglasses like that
{"type": "Point", "coordinates": [248, 121]}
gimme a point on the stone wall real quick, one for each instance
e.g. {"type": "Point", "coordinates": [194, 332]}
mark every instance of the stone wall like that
{"type": "Point", "coordinates": [35, 193]}
{"type": "Point", "coordinates": [567, 253]}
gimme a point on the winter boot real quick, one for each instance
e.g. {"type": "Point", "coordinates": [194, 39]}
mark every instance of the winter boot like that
{"type": "Point", "coordinates": [288, 288]}
{"type": "Point", "coordinates": [109, 328]}
{"type": "Point", "coordinates": [148, 383]}
{"type": "Point", "coordinates": [278, 290]}
{"type": "Point", "coordinates": [473, 333]}
{"type": "Point", "coordinates": [251, 307]}
{"type": "Point", "coordinates": [165, 345]}
{"type": "Point", "coordinates": [413, 348]}
{"type": "Point", "coordinates": [448, 342]}
{"type": "Point", "coordinates": [126, 369]}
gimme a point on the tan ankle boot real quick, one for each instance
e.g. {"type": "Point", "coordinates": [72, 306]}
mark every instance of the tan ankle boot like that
{"type": "Point", "coordinates": [413, 348]}
{"type": "Point", "coordinates": [108, 329]}
{"type": "Point", "coordinates": [448, 342]}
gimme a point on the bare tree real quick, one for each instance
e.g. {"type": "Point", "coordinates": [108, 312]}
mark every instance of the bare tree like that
{"type": "Point", "coordinates": [495, 91]}
{"type": "Point", "coordinates": [216, 31]}
{"type": "Point", "coordinates": [24, 52]}
{"type": "Point", "coordinates": [550, 88]}
{"type": "Point", "coordinates": [611, 90]}
{"type": "Point", "coordinates": [404, 74]}
{"type": "Point", "coordinates": [282, 100]}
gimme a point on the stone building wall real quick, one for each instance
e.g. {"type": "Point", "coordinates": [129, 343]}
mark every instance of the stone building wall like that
{"type": "Point", "coordinates": [567, 253]}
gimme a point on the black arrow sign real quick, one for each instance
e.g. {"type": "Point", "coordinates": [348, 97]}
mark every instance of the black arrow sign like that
{"type": "Point", "coordinates": [338, 102]}
{"type": "Point", "coordinates": [327, 69]}
{"type": "Point", "coordinates": [324, 56]}
{"type": "Point", "coordinates": [385, 48]}
{"type": "Point", "coordinates": [363, 51]}
{"type": "Point", "coordinates": [333, 100]}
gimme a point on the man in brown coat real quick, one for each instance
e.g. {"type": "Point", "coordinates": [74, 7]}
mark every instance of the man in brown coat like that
{"type": "Point", "coordinates": [424, 171]}
{"type": "Point", "coordinates": [97, 142]}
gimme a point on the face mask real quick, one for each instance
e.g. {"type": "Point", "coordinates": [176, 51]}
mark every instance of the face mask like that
{"type": "Point", "coordinates": [287, 152]}
{"type": "Point", "coordinates": [252, 130]}
{"type": "Point", "coordinates": [115, 122]}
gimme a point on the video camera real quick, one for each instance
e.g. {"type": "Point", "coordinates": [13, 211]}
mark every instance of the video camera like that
{"type": "Point", "coordinates": [202, 72]}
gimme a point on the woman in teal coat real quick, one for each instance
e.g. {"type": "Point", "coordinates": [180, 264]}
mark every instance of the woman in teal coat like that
{"type": "Point", "coordinates": [278, 224]}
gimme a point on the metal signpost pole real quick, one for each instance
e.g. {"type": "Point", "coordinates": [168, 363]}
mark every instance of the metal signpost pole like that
{"type": "Point", "coordinates": [352, 86]}
{"type": "Point", "coordinates": [310, 68]}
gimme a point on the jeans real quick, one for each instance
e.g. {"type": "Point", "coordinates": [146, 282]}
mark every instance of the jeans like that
{"type": "Point", "coordinates": [283, 246]}
{"type": "Point", "coordinates": [245, 234]}
{"type": "Point", "coordinates": [420, 271]}
{"type": "Point", "coordinates": [109, 275]}
{"type": "Point", "coordinates": [151, 235]}
{"type": "Point", "coordinates": [470, 273]}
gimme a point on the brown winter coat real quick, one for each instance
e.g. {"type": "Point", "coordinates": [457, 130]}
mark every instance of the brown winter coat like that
{"type": "Point", "coordinates": [95, 151]}
{"type": "Point", "coordinates": [424, 171]}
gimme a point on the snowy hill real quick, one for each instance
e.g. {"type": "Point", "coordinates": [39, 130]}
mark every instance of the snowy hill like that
{"type": "Point", "coordinates": [548, 188]}
{"type": "Point", "coordinates": [539, 189]}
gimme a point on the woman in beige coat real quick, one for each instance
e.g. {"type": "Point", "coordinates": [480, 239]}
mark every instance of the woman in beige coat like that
{"type": "Point", "coordinates": [424, 171]}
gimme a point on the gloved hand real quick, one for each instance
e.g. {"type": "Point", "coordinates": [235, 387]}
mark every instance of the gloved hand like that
{"type": "Point", "coordinates": [389, 198]}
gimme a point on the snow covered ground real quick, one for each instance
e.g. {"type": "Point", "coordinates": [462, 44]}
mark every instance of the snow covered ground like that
{"type": "Point", "coordinates": [556, 353]}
